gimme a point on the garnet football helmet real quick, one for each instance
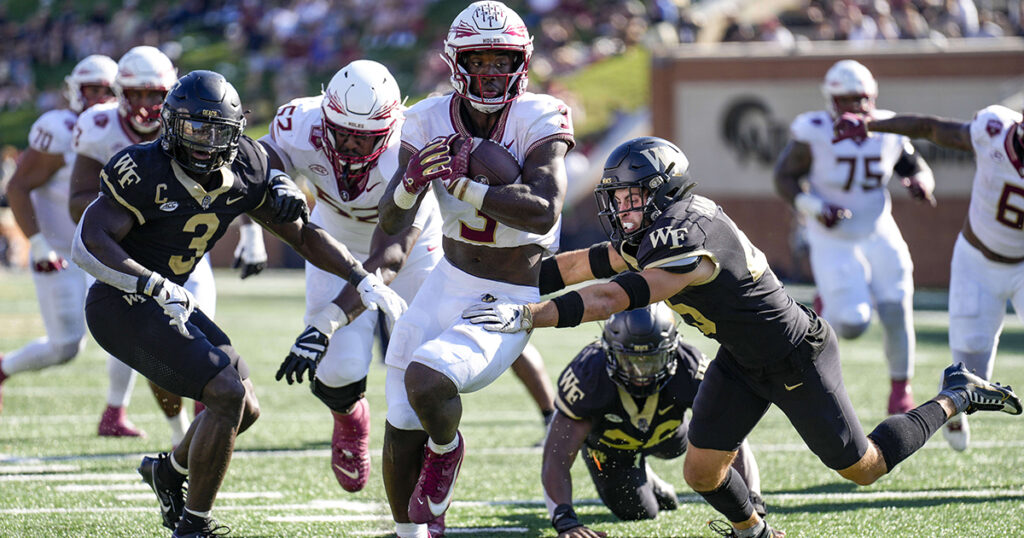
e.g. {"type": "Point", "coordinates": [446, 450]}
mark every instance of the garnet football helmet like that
{"type": "Point", "coordinates": [488, 26]}
{"type": "Point", "coordinates": [849, 78]}
{"type": "Point", "coordinates": [362, 100]}
{"type": "Point", "coordinates": [203, 122]}
{"type": "Point", "coordinates": [640, 347]}
{"type": "Point", "coordinates": [94, 70]}
{"type": "Point", "coordinates": [143, 68]}
{"type": "Point", "coordinates": [654, 165]}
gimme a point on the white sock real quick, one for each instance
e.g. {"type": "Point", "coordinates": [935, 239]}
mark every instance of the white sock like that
{"type": "Point", "coordinates": [179, 425]}
{"type": "Point", "coordinates": [443, 449]}
{"type": "Point", "coordinates": [411, 530]}
{"type": "Point", "coordinates": [203, 515]}
{"type": "Point", "coordinates": [177, 466]}
{"type": "Point", "coordinates": [751, 532]}
{"type": "Point", "coordinates": [122, 381]}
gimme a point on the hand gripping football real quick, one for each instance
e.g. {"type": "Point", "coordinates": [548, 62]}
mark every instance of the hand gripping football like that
{"type": "Point", "coordinates": [489, 162]}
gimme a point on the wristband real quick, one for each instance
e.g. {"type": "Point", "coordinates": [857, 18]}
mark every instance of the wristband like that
{"type": "Point", "coordinates": [403, 198]}
{"type": "Point", "coordinates": [470, 191]}
{"type": "Point", "coordinates": [150, 284]}
{"type": "Point", "coordinates": [564, 518]}
{"type": "Point", "coordinates": [601, 261]}
{"type": "Point", "coordinates": [328, 319]}
{"type": "Point", "coordinates": [570, 309]}
{"type": "Point", "coordinates": [356, 275]}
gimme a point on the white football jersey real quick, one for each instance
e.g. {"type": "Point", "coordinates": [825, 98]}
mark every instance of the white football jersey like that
{"type": "Point", "coordinates": [51, 133]}
{"type": "Point", "coordinates": [99, 133]}
{"type": "Point", "coordinates": [996, 209]}
{"type": "Point", "coordinates": [347, 212]}
{"type": "Point", "coordinates": [530, 120]}
{"type": "Point", "coordinates": [850, 174]}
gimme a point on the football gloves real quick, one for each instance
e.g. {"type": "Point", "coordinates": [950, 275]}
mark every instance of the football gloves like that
{"type": "Point", "coordinates": [286, 199]}
{"type": "Point", "coordinates": [44, 258]}
{"type": "Point", "coordinates": [456, 182]}
{"type": "Point", "coordinates": [305, 355]}
{"type": "Point", "coordinates": [375, 294]}
{"type": "Point", "coordinates": [500, 317]}
{"type": "Point", "coordinates": [921, 190]}
{"type": "Point", "coordinates": [177, 302]}
{"type": "Point", "coordinates": [813, 207]}
{"type": "Point", "coordinates": [850, 126]}
{"type": "Point", "coordinates": [250, 254]}
{"type": "Point", "coordinates": [429, 163]}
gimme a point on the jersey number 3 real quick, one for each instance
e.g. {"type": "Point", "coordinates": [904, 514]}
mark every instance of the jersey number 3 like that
{"type": "Point", "coordinates": [203, 226]}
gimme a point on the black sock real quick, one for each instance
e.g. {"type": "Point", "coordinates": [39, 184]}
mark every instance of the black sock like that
{"type": "Point", "coordinates": [731, 498]}
{"type": "Point", "coordinates": [899, 436]}
{"type": "Point", "coordinates": [167, 473]}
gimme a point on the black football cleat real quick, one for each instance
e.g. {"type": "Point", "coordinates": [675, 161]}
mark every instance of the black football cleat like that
{"type": "Point", "coordinates": [205, 528]}
{"type": "Point", "coordinates": [171, 496]}
{"type": "Point", "coordinates": [981, 395]}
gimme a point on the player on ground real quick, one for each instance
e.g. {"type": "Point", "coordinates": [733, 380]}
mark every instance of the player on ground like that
{"type": "Point", "coordinates": [624, 398]}
{"type": "Point", "coordinates": [858, 256]}
{"type": "Point", "coordinates": [988, 258]}
{"type": "Point", "coordinates": [144, 75]}
{"type": "Point", "coordinates": [682, 248]}
{"type": "Point", "coordinates": [38, 193]}
{"type": "Point", "coordinates": [494, 237]}
{"type": "Point", "coordinates": [163, 205]}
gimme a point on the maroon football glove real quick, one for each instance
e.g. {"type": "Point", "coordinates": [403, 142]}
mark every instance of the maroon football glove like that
{"type": "Point", "coordinates": [460, 162]}
{"type": "Point", "coordinates": [832, 214]}
{"type": "Point", "coordinates": [918, 190]}
{"type": "Point", "coordinates": [850, 126]}
{"type": "Point", "coordinates": [430, 163]}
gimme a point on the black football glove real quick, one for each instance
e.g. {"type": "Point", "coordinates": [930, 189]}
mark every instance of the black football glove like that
{"type": "Point", "coordinates": [287, 200]}
{"type": "Point", "coordinates": [304, 356]}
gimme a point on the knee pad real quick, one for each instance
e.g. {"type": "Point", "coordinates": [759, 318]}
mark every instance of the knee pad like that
{"type": "Point", "coordinates": [851, 329]}
{"type": "Point", "coordinates": [338, 398]}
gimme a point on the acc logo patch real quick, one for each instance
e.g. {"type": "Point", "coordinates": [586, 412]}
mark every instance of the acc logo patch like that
{"type": "Point", "coordinates": [319, 169]}
{"type": "Point", "coordinates": [168, 206]}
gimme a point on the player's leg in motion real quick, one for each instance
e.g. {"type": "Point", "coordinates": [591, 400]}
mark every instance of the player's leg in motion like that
{"type": "Point", "coordinates": [892, 286]}
{"type": "Point", "coordinates": [340, 383]}
{"type": "Point", "coordinates": [61, 298]}
{"type": "Point", "coordinates": [978, 291]}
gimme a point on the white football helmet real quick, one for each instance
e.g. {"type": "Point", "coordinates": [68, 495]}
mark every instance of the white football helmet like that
{"type": "Point", "coordinates": [362, 99]}
{"type": "Point", "coordinates": [94, 70]}
{"type": "Point", "coordinates": [143, 68]}
{"type": "Point", "coordinates": [848, 78]}
{"type": "Point", "coordinates": [488, 25]}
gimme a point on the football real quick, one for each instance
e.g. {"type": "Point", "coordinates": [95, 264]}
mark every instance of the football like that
{"type": "Point", "coordinates": [489, 162]}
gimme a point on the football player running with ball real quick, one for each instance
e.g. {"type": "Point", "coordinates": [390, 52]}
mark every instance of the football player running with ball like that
{"type": "Point", "coordinates": [987, 269]}
{"type": "Point", "coordinates": [38, 194]}
{"type": "Point", "coordinates": [623, 399]}
{"type": "Point", "coordinates": [494, 238]}
{"type": "Point", "coordinates": [682, 248]}
{"type": "Point", "coordinates": [858, 255]}
{"type": "Point", "coordinates": [162, 206]}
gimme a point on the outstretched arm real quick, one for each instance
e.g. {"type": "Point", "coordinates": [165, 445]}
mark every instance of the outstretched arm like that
{"type": "Point", "coordinates": [575, 266]}
{"type": "Point", "coordinates": [945, 132]}
{"type": "Point", "coordinates": [563, 442]}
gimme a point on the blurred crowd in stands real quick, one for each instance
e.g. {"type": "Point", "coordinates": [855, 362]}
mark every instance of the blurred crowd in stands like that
{"type": "Point", "coordinates": [282, 47]}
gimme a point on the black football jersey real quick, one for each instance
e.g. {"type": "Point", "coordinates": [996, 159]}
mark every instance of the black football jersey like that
{"type": "Point", "coordinates": [620, 421]}
{"type": "Point", "coordinates": [743, 306]}
{"type": "Point", "coordinates": [176, 220]}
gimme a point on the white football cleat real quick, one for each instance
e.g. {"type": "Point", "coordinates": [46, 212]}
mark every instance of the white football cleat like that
{"type": "Point", "coordinates": [957, 432]}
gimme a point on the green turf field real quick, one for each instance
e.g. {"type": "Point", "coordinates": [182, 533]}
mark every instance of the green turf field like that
{"type": "Point", "coordinates": [57, 478]}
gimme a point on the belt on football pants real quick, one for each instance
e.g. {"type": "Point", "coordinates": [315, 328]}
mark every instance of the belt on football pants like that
{"type": "Point", "coordinates": [985, 251]}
